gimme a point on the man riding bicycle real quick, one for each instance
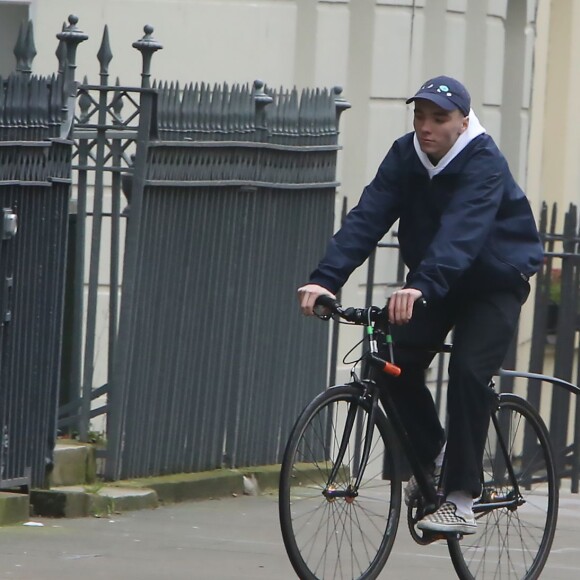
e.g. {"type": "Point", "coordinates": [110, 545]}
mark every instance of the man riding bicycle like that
{"type": "Point", "coordinates": [468, 237]}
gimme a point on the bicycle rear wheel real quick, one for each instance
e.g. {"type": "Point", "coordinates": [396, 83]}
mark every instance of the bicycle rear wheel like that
{"type": "Point", "coordinates": [349, 536]}
{"type": "Point", "coordinates": [513, 541]}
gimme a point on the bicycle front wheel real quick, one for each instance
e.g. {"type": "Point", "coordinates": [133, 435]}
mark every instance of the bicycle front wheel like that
{"type": "Point", "coordinates": [331, 528]}
{"type": "Point", "coordinates": [515, 523]}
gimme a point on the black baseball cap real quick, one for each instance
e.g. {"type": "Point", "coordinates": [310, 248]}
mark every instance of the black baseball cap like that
{"type": "Point", "coordinates": [446, 92]}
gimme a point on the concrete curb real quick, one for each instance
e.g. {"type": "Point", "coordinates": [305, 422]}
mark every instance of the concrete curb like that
{"type": "Point", "coordinates": [14, 508]}
{"type": "Point", "coordinates": [207, 484]}
{"type": "Point", "coordinates": [148, 493]}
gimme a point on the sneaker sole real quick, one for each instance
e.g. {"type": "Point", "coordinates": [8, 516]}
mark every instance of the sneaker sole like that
{"type": "Point", "coordinates": [448, 528]}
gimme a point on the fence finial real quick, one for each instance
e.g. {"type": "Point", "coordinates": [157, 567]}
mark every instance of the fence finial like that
{"type": "Point", "coordinates": [25, 50]}
{"type": "Point", "coordinates": [147, 46]}
{"type": "Point", "coordinates": [84, 104]}
{"type": "Point", "coordinates": [60, 53]}
{"type": "Point", "coordinates": [72, 37]}
{"type": "Point", "coordinates": [117, 105]}
{"type": "Point", "coordinates": [260, 96]}
{"type": "Point", "coordinates": [105, 56]}
{"type": "Point", "coordinates": [261, 101]}
{"type": "Point", "coordinates": [340, 103]}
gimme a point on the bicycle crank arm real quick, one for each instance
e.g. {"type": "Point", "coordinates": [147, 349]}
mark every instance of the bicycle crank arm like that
{"type": "Point", "coordinates": [510, 504]}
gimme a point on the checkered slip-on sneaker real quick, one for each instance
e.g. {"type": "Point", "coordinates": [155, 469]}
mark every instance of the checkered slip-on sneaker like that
{"type": "Point", "coordinates": [446, 520]}
{"type": "Point", "coordinates": [412, 492]}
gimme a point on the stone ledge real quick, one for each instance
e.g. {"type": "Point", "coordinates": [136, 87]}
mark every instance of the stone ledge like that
{"type": "Point", "coordinates": [14, 508]}
{"type": "Point", "coordinates": [206, 484]}
{"type": "Point", "coordinates": [81, 501]}
{"type": "Point", "coordinates": [147, 493]}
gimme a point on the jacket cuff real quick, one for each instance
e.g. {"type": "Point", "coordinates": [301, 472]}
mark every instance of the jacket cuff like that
{"type": "Point", "coordinates": [324, 282]}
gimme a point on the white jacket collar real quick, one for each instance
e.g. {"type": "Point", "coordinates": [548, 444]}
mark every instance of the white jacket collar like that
{"type": "Point", "coordinates": [474, 129]}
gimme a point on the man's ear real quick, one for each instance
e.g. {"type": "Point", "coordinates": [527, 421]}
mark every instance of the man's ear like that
{"type": "Point", "coordinates": [464, 125]}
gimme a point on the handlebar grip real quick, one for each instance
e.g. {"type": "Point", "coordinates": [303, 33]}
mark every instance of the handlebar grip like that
{"type": "Point", "coordinates": [327, 301]}
{"type": "Point", "coordinates": [391, 369]}
{"type": "Point", "coordinates": [325, 306]}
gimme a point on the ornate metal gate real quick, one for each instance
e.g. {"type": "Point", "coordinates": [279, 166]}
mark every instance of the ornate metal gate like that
{"type": "Point", "coordinates": [228, 188]}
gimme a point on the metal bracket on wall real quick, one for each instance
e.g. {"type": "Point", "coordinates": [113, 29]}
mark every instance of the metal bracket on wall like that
{"type": "Point", "coordinates": [9, 224]}
{"type": "Point", "coordinates": [7, 314]}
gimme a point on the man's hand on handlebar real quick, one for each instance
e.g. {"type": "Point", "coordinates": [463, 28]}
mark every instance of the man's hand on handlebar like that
{"type": "Point", "coordinates": [401, 305]}
{"type": "Point", "coordinates": [307, 296]}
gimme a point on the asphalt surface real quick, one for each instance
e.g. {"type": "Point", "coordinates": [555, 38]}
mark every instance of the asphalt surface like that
{"type": "Point", "coordinates": [225, 539]}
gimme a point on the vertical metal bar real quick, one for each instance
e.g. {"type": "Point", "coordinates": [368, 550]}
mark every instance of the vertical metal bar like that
{"type": "Point", "coordinates": [94, 261]}
{"type": "Point", "coordinates": [118, 384]}
{"type": "Point", "coordinates": [79, 281]}
{"type": "Point", "coordinates": [114, 285]}
{"type": "Point", "coordinates": [335, 323]}
{"type": "Point", "coordinates": [576, 314]}
{"type": "Point", "coordinates": [564, 350]}
{"type": "Point", "coordinates": [538, 342]}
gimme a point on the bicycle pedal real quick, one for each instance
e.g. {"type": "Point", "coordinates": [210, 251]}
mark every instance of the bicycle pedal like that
{"type": "Point", "coordinates": [430, 537]}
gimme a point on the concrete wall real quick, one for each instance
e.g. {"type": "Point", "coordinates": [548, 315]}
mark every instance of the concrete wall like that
{"type": "Point", "coordinates": [560, 178]}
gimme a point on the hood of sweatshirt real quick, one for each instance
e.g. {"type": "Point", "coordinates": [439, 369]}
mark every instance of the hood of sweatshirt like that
{"type": "Point", "coordinates": [474, 129]}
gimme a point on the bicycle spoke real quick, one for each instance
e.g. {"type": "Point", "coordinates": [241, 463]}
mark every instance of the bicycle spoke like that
{"type": "Point", "coordinates": [332, 531]}
{"type": "Point", "coordinates": [512, 542]}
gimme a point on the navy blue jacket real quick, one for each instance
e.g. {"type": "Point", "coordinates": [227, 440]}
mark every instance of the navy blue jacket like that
{"type": "Point", "coordinates": [469, 228]}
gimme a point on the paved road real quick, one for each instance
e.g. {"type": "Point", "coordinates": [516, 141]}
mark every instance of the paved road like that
{"type": "Point", "coordinates": [227, 539]}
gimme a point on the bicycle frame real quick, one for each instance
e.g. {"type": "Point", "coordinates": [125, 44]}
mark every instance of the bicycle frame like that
{"type": "Point", "coordinates": [370, 390]}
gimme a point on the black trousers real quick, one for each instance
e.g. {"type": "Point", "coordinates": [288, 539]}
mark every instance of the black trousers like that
{"type": "Point", "coordinates": [484, 325]}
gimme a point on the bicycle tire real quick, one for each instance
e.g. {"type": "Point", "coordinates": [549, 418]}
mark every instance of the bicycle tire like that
{"type": "Point", "coordinates": [513, 543]}
{"type": "Point", "coordinates": [321, 535]}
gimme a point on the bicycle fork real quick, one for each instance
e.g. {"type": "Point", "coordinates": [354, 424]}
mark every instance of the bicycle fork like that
{"type": "Point", "coordinates": [351, 491]}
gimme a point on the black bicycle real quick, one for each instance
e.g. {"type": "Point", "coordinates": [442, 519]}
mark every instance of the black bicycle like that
{"type": "Point", "coordinates": [340, 481]}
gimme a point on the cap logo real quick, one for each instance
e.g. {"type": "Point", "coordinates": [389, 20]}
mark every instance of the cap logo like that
{"type": "Point", "coordinates": [439, 89]}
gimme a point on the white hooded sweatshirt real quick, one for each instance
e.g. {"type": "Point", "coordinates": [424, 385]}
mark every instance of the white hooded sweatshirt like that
{"type": "Point", "coordinates": [473, 130]}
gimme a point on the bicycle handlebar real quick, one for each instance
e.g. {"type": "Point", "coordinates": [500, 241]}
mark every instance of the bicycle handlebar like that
{"type": "Point", "coordinates": [354, 315]}
{"type": "Point", "coordinates": [358, 316]}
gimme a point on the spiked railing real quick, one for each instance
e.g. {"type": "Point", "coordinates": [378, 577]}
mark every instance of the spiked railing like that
{"type": "Point", "coordinates": [35, 178]}
{"type": "Point", "coordinates": [230, 178]}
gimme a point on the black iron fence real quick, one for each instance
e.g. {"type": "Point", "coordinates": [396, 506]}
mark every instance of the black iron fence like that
{"type": "Point", "coordinates": [211, 367]}
{"type": "Point", "coordinates": [34, 192]}
{"type": "Point", "coordinates": [556, 329]}
{"type": "Point", "coordinates": [230, 192]}
{"type": "Point", "coordinates": [553, 344]}
{"type": "Point", "coordinates": [230, 196]}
